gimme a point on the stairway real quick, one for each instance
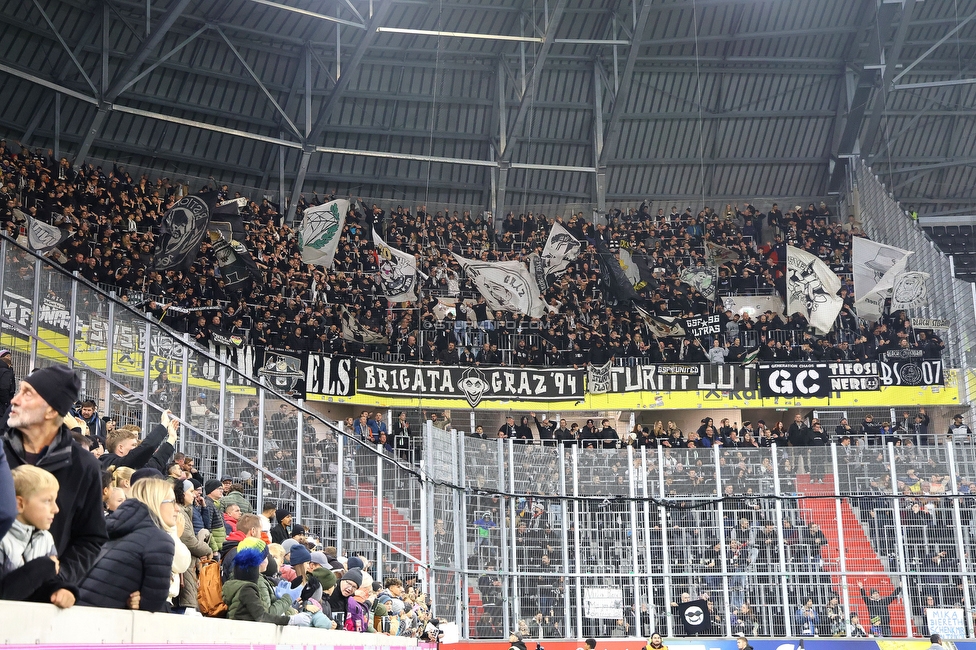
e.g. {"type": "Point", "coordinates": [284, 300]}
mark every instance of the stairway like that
{"type": "Point", "coordinates": [396, 528]}
{"type": "Point", "coordinates": [860, 554]}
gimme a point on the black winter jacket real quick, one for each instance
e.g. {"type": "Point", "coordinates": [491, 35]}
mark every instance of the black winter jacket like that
{"type": "Point", "coordinates": [79, 527]}
{"type": "Point", "coordinates": [140, 456]}
{"type": "Point", "coordinates": [137, 557]}
{"type": "Point", "coordinates": [8, 497]}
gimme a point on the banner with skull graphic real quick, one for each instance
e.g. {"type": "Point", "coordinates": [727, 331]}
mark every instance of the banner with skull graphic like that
{"type": "Point", "coordinates": [397, 272]}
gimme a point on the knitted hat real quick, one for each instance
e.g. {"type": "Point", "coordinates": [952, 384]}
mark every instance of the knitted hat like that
{"type": "Point", "coordinates": [247, 564]}
{"type": "Point", "coordinates": [4, 353]}
{"type": "Point", "coordinates": [253, 543]}
{"type": "Point", "coordinates": [145, 472]}
{"type": "Point", "coordinates": [187, 485]}
{"type": "Point", "coordinates": [57, 385]}
{"type": "Point", "coordinates": [289, 544]}
{"type": "Point", "coordinates": [354, 575]}
{"type": "Point", "coordinates": [319, 558]}
{"type": "Point", "coordinates": [326, 577]}
{"type": "Point", "coordinates": [196, 484]}
{"type": "Point", "coordinates": [299, 555]}
{"type": "Point", "coordinates": [211, 485]}
{"type": "Point", "coordinates": [355, 563]}
{"type": "Point", "coordinates": [396, 606]}
{"type": "Point", "coordinates": [380, 610]}
{"type": "Point", "coordinates": [281, 513]}
{"type": "Point", "coordinates": [298, 529]}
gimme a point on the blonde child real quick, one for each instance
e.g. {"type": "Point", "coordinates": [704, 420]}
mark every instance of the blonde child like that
{"type": "Point", "coordinates": [28, 556]}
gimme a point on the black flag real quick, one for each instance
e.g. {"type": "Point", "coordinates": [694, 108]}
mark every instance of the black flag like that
{"type": "Point", "coordinates": [182, 230]}
{"type": "Point", "coordinates": [695, 617]}
{"type": "Point", "coordinates": [236, 264]}
{"type": "Point", "coordinates": [613, 274]}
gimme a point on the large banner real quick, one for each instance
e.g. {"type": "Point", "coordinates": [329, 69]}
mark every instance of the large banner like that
{"type": "Point", "coordinates": [680, 377]}
{"type": "Point", "coordinates": [821, 378]}
{"type": "Point", "coordinates": [181, 231]}
{"type": "Point", "coordinates": [469, 383]}
{"type": "Point", "coordinates": [333, 376]}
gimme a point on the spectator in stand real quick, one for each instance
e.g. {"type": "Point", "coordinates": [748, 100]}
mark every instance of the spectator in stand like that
{"type": "Point", "coordinates": [28, 556]}
{"type": "Point", "coordinates": [34, 434]}
{"type": "Point", "coordinates": [88, 413]}
{"type": "Point", "coordinates": [140, 556]}
{"type": "Point", "coordinates": [8, 381]}
{"type": "Point", "coordinates": [213, 490]}
{"type": "Point", "coordinates": [279, 532]}
{"type": "Point", "coordinates": [959, 432]}
{"type": "Point", "coordinates": [249, 596]}
{"type": "Point", "coordinates": [199, 550]}
{"type": "Point", "coordinates": [878, 611]}
{"type": "Point", "coordinates": [123, 449]}
{"type": "Point", "coordinates": [235, 494]}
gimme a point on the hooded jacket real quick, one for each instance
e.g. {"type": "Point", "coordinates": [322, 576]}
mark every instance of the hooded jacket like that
{"type": "Point", "coordinates": [239, 499]}
{"type": "Point", "coordinates": [137, 557]}
{"type": "Point", "coordinates": [79, 527]}
{"type": "Point", "coordinates": [249, 596]}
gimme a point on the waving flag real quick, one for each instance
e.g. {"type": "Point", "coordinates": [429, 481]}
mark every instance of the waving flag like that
{"type": "Point", "coordinates": [506, 286]}
{"type": "Point", "coordinates": [716, 255]}
{"type": "Point", "coordinates": [182, 230]}
{"type": "Point", "coordinates": [318, 236]}
{"type": "Point", "coordinates": [397, 274]}
{"type": "Point", "coordinates": [704, 279]}
{"type": "Point", "coordinates": [43, 237]}
{"type": "Point", "coordinates": [811, 289]}
{"type": "Point", "coordinates": [875, 268]}
{"type": "Point", "coordinates": [561, 249]}
{"type": "Point", "coordinates": [909, 290]}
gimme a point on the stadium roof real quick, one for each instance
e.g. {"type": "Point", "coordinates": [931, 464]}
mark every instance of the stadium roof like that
{"type": "Point", "coordinates": [527, 102]}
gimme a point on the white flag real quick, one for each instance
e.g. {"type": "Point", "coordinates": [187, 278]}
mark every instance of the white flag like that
{"type": "Point", "coordinates": [506, 286]}
{"type": "Point", "coordinates": [598, 378]}
{"type": "Point", "coordinates": [397, 274]}
{"type": "Point", "coordinates": [352, 330]}
{"type": "Point", "coordinates": [661, 326]}
{"type": "Point", "coordinates": [318, 236]}
{"type": "Point", "coordinates": [755, 306]}
{"type": "Point", "coordinates": [811, 289]}
{"type": "Point", "coordinates": [875, 268]}
{"type": "Point", "coordinates": [909, 291]}
{"type": "Point", "coordinates": [627, 264]}
{"type": "Point", "coordinates": [716, 255]}
{"type": "Point", "coordinates": [42, 237]}
{"type": "Point", "coordinates": [561, 249]}
{"type": "Point", "coordinates": [871, 260]}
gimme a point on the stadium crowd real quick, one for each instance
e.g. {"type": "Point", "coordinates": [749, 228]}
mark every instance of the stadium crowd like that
{"type": "Point", "coordinates": [114, 222]}
{"type": "Point", "coordinates": [149, 538]}
{"type": "Point", "coordinates": [92, 515]}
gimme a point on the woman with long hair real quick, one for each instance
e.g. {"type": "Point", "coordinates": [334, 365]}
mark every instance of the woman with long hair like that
{"type": "Point", "coordinates": [138, 557]}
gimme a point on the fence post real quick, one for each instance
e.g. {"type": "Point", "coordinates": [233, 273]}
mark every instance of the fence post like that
{"type": "Point", "coordinates": [900, 542]}
{"type": "Point", "coordinates": [783, 578]}
{"type": "Point", "coordinates": [340, 482]}
{"type": "Point", "coordinates": [842, 549]}
{"type": "Point", "coordinates": [957, 529]}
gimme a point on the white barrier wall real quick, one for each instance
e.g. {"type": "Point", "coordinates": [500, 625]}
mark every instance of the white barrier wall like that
{"type": "Point", "coordinates": [33, 625]}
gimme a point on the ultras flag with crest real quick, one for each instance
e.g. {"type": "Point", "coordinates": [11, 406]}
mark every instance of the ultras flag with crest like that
{"type": "Point", "coordinates": [506, 286]}
{"type": "Point", "coordinates": [875, 267]}
{"type": "Point", "coordinates": [397, 272]}
{"type": "Point", "coordinates": [811, 289]}
{"type": "Point", "coordinates": [319, 234]}
{"type": "Point", "coordinates": [236, 264]}
{"type": "Point", "coordinates": [43, 237]}
{"type": "Point", "coordinates": [182, 230]}
{"type": "Point", "coordinates": [353, 330]}
{"type": "Point", "coordinates": [561, 248]}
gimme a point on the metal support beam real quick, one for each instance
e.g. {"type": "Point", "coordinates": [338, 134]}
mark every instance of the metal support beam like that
{"type": "Point", "coordinates": [57, 34]}
{"type": "Point", "coordinates": [908, 68]}
{"type": "Point", "coordinates": [500, 179]}
{"type": "Point", "coordinates": [260, 84]}
{"type": "Point", "coordinates": [623, 92]}
{"type": "Point", "coordinates": [892, 55]}
{"type": "Point", "coordinates": [151, 43]}
{"type": "Point", "coordinates": [600, 177]}
{"type": "Point", "coordinates": [313, 14]}
{"type": "Point", "coordinates": [877, 20]}
{"type": "Point", "coordinates": [530, 91]}
{"type": "Point", "coordinates": [325, 111]}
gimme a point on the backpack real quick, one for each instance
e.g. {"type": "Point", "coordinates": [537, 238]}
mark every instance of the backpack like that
{"type": "Point", "coordinates": [210, 586]}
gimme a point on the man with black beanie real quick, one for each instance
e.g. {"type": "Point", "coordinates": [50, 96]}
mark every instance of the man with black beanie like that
{"type": "Point", "coordinates": [34, 434]}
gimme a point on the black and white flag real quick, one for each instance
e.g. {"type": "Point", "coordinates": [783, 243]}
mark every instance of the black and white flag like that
{"type": "Point", "coordinates": [702, 278]}
{"type": "Point", "coordinates": [506, 286]}
{"type": "Point", "coordinates": [811, 289]}
{"type": "Point", "coordinates": [352, 330]}
{"type": "Point", "coordinates": [661, 326]}
{"type": "Point", "coordinates": [561, 249]}
{"type": "Point", "coordinates": [598, 378]}
{"type": "Point", "coordinates": [694, 615]}
{"type": "Point", "coordinates": [716, 255]}
{"type": "Point", "coordinates": [43, 237]}
{"type": "Point", "coordinates": [909, 290]}
{"type": "Point", "coordinates": [397, 272]}
{"type": "Point", "coordinates": [182, 230]}
{"type": "Point", "coordinates": [875, 267]}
